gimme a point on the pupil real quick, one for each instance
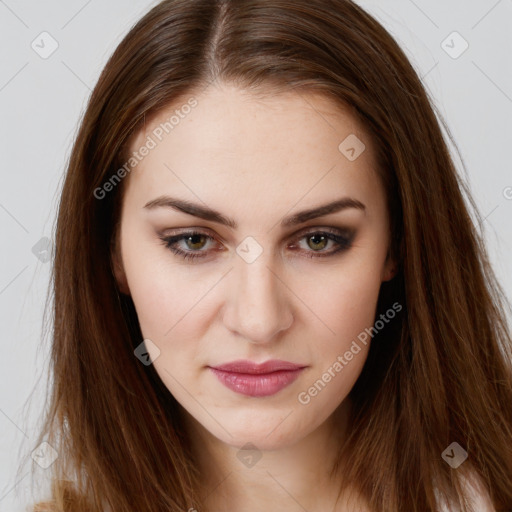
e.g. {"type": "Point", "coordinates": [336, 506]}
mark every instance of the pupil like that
{"type": "Point", "coordinates": [317, 237]}
{"type": "Point", "coordinates": [194, 237]}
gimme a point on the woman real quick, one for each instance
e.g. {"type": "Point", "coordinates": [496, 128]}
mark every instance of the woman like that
{"type": "Point", "coordinates": [268, 289]}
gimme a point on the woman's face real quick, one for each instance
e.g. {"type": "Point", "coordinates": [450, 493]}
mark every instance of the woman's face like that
{"type": "Point", "coordinates": [270, 279]}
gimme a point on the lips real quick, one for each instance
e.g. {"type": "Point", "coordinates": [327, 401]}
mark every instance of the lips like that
{"type": "Point", "coordinates": [244, 366]}
{"type": "Point", "coordinates": [257, 380]}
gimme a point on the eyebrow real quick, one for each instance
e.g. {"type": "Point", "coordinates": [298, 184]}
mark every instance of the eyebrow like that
{"type": "Point", "coordinates": [212, 215]}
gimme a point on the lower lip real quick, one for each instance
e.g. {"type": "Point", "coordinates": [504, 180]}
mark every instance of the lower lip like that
{"type": "Point", "coordinates": [263, 384]}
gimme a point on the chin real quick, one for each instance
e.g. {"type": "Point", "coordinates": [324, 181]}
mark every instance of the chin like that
{"type": "Point", "coordinates": [271, 431]}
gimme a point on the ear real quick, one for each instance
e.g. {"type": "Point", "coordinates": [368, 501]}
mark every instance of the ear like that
{"type": "Point", "coordinates": [390, 273]}
{"type": "Point", "coordinates": [390, 268]}
{"type": "Point", "coordinates": [117, 264]}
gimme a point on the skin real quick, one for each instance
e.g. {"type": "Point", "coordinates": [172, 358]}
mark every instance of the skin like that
{"type": "Point", "coordinates": [256, 161]}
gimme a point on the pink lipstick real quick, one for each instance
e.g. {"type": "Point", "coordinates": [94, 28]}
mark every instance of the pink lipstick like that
{"type": "Point", "coordinates": [251, 379]}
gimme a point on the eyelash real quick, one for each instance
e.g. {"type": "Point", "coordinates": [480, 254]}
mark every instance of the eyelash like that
{"type": "Point", "coordinates": [344, 243]}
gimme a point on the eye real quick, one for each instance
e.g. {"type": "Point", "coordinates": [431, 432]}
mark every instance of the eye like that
{"type": "Point", "coordinates": [319, 240]}
{"type": "Point", "coordinates": [191, 245]}
{"type": "Point", "coordinates": [194, 242]}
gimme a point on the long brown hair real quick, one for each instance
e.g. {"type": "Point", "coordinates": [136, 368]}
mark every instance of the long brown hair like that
{"type": "Point", "coordinates": [440, 374]}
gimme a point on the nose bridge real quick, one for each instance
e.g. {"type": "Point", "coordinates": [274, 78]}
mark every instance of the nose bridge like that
{"type": "Point", "coordinates": [258, 305]}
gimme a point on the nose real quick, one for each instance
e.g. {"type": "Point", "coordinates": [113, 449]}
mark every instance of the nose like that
{"type": "Point", "coordinates": [258, 306]}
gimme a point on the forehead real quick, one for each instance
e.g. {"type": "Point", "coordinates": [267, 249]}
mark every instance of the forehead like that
{"type": "Point", "coordinates": [227, 142]}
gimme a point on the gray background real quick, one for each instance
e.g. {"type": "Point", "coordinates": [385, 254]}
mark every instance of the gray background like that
{"type": "Point", "coordinates": [41, 101]}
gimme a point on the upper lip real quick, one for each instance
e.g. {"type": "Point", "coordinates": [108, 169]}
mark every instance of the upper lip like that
{"type": "Point", "coordinates": [245, 366]}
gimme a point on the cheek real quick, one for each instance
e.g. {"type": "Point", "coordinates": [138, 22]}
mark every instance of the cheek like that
{"type": "Point", "coordinates": [168, 305]}
{"type": "Point", "coordinates": [174, 301]}
{"type": "Point", "coordinates": [165, 296]}
{"type": "Point", "coordinates": [348, 312]}
{"type": "Point", "coordinates": [345, 302]}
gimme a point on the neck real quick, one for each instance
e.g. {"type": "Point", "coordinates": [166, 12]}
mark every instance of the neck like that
{"type": "Point", "coordinates": [294, 477]}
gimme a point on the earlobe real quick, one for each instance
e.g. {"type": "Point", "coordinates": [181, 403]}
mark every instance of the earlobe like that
{"type": "Point", "coordinates": [391, 273]}
{"type": "Point", "coordinates": [390, 269]}
{"type": "Point", "coordinates": [120, 277]}
{"type": "Point", "coordinates": [118, 268]}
